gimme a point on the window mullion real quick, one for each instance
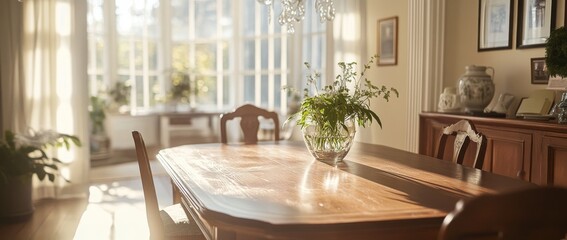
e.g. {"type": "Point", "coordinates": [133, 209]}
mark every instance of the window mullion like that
{"type": "Point", "coordinates": [164, 56]}
{"type": "Point", "coordinates": [132, 72]}
{"type": "Point", "coordinates": [237, 67]}
{"type": "Point", "coordinates": [110, 44]}
{"type": "Point", "coordinates": [328, 67]}
{"type": "Point", "coordinates": [93, 67]}
{"type": "Point", "coordinates": [313, 50]}
{"type": "Point", "coordinates": [257, 56]}
{"type": "Point", "coordinates": [271, 72]}
{"type": "Point", "coordinates": [220, 55]}
{"type": "Point", "coordinates": [192, 42]}
{"type": "Point", "coordinates": [145, 60]}
{"type": "Point", "coordinates": [284, 72]}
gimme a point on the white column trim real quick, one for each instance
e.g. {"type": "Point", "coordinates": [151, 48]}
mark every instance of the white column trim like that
{"type": "Point", "coordinates": [426, 32]}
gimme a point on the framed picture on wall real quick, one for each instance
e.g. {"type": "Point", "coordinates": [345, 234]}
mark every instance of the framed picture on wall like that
{"type": "Point", "coordinates": [539, 71]}
{"type": "Point", "coordinates": [388, 41]}
{"type": "Point", "coordinates": [536, 19]}
{"type": "Point", "coordinates": [495, 24]}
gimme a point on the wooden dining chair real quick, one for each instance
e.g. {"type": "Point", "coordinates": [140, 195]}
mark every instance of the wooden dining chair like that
{"type": "Point", "coordinates": [249, 122]}
{"type": "Point", "coordinates": [464, 132]}
{"type": "Point", "coordinates": [171, 222]}
{"type": "Point", "coordinates": [535, 213]}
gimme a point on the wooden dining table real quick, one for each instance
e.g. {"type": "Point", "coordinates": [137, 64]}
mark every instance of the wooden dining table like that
{"type": "Point", "coordinates": [277, 190]}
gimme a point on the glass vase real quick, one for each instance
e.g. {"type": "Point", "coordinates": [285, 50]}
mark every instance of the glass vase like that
{"type": "Point", "coordinates": [562, 110]}
{"type": "Point", "coordinates": [329, 145]}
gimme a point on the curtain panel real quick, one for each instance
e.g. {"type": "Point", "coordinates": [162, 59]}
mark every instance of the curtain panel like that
{"type": "Point", "coordinates": [11, 67]}
{"type": "Point", "coordinates": [347, 36]}
{"type": "Point", "coordinates": [43, 72]}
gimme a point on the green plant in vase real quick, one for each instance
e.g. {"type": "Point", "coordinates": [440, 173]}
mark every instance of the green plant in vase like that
{"type": "Point", "coordinates": [328, 116]}
{"type": "Point", "coordinates": [120, 96]}
{"type": "Point", "coordinates": [180, 87]}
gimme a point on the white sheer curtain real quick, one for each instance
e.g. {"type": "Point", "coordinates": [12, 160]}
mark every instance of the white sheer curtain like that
{"type": "Point", "coordinates": [348, 34]}
{"type": "Point", "coordinates": [56, 96]}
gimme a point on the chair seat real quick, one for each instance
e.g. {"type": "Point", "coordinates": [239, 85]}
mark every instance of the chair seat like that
{"type": "Point", "coordinates": [176, 222]}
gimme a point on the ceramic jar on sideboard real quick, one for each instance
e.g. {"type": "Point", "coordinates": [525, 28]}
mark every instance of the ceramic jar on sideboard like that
{"type": "Point", "coordinates": [476, 88]}
{"type": "Point", "coordinates": [449, 100]}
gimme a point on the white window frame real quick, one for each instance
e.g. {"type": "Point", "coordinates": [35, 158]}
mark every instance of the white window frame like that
{"type": "Point", "coordinates": [290, 47]}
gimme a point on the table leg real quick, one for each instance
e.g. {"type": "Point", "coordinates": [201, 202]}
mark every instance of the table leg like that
{"type": "Point", "coordinates": [211, 124]}
{"type": "Point", "coordinates": [164, 131]}
{"type": "Point", "coordinates": [176, 193]}
{"type": "Point", "coordinates": [224, 234]}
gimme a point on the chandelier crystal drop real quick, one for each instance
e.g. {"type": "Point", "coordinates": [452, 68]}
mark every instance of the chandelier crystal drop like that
{"type": "Point", "coordinates": [325, 9]}
{"type": "Point", "coordinates": [294, 11]}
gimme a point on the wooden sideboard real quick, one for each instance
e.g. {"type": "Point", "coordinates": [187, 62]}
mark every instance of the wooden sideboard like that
{"type": "Point", "coordinates": [530, 150]}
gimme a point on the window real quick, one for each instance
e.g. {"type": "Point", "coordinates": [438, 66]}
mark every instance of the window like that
{"type": "Point", "coordinates": [227, 50]}
{"type": "Point", "coordinates": [96, 44]}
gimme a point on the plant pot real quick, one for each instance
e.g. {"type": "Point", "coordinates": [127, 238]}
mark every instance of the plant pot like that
{"type": "Point", "coordinates": [329, 145]}
{"type": "Point", "coordinates": [16, 199]}
{"type": "Point", "coordinates": [99, 146]}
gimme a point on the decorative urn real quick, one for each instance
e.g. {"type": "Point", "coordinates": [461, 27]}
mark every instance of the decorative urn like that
{"type": "Point", "coordinates": [476, 88]}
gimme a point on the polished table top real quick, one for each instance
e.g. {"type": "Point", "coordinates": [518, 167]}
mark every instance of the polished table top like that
{"type": "Point", "coordinates": [274, 188]}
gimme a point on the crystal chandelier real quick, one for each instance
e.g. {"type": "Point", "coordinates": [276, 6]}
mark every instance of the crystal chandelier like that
{"type": "Point", "coordinates": [294, 11]}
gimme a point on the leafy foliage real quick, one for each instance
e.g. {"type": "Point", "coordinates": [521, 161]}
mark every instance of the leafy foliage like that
{"type": "Point", "coordinates": [22, 155]}
{"type": "Point", "coordinates": [120, 93]}
{"type": "Point", "coordinates": [556, 52]}
{"type": "Point", "coordinates": [180, 87]}
{"type": "Point", "coordinates": [330, 106]}
{"type": "Point", "coordinates": [97, 114]}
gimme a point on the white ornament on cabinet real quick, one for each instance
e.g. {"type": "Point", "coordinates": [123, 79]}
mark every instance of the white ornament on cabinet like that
{"type": "Point", "coordinates": [449, 100]}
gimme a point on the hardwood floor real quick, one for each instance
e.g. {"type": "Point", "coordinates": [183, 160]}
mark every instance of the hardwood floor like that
{"type": "Point", "coordinates": [52, 219]}
{"type": "Point", "coordinates": [115, 208]}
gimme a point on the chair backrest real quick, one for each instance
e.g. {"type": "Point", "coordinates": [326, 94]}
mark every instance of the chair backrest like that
{"type": "Point", "coordinates": [464, 132]}
{"type": "Point", "coordinates": [249, 122]}
{"type": "Point", "coordinates": [535, 213]}
{"type": "Point", "coordinates": [150, 197]}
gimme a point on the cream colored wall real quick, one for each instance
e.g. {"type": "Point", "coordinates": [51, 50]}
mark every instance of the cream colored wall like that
{"type": "Point", "coordinates": [394, 113]}
{"type": "Point", "coordinates": [512, 66]}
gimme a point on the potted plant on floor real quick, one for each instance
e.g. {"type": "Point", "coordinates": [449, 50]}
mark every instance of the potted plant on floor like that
{"type": "Point", "coordinates": [99, 140]}
{"type": "Point", "coordinates": [328, 116]}
{"type": "Point", "coordinates": [21, 157]}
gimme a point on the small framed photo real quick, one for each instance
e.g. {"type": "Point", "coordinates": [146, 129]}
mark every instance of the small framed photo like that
{"type": "Point", "coordinates": [536, 19]}
{"type": "Point", "coordinates": [388, 41]}
{"type": "Point", "coordinates": [539, 71]}
{"type": "Point", "coordinates": [495, 24]}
